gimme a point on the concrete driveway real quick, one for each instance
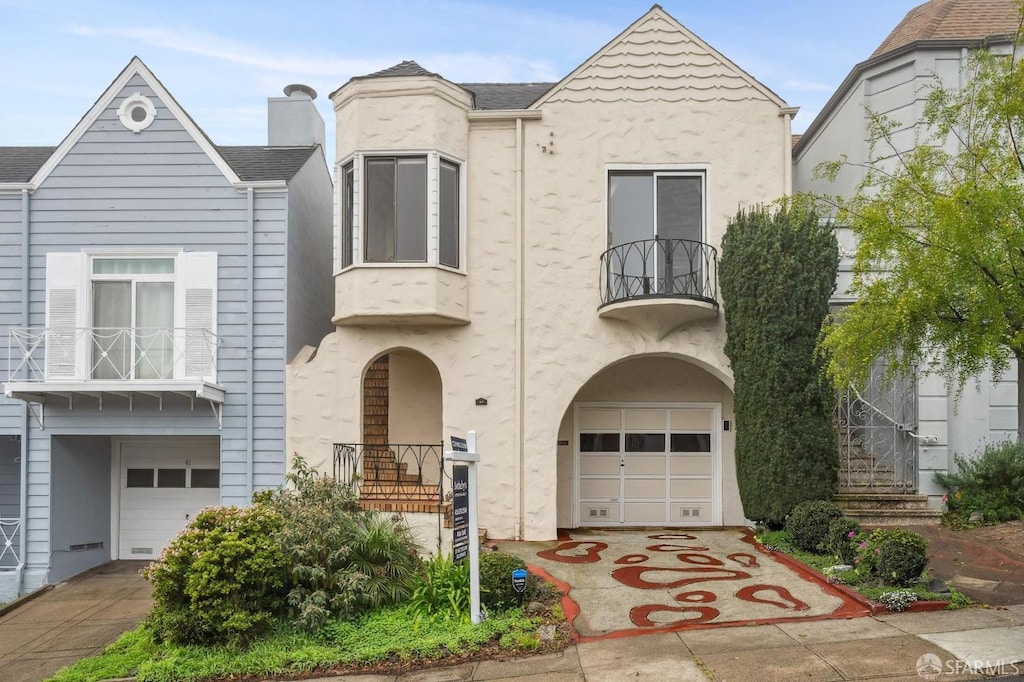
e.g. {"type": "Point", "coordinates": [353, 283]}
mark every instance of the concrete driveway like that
{"type": "Point", "coordinates": [622, 583]}
{"type": "Point", "coordinates": [74, 619]}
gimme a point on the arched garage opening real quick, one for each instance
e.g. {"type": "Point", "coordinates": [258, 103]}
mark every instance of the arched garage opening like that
{"type": "Point", "coordinates": [647, 441]}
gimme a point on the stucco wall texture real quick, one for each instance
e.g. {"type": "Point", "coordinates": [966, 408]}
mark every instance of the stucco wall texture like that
{"type": "Point", "coordinates": [534, 343]}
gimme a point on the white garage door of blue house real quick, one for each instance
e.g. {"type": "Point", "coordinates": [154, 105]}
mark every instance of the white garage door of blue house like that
{"type": "Point", "coordinates": [648, 464]}
{"type": "Point", "coordinates": [163, 485]}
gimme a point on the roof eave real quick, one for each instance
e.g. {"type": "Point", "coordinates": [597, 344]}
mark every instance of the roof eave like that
{"type": "Point", "coordinates": [858, 70]}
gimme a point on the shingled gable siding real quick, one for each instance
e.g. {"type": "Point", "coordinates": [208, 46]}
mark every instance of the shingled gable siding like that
{"type": "Point", "coordinates": [158, 189]}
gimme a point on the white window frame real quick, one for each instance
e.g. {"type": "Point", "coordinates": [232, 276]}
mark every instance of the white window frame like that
{"type": "Point", "coordinates": [434, 158]}
{"type": "Point", "coordinates": [701, 170]}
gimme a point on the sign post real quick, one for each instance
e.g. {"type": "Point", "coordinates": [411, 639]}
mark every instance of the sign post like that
{"type": "Point", "coordinates": [465, 532]}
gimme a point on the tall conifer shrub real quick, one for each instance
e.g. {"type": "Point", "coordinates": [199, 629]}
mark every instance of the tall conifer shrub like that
{"type": "Point", "coordinates": [777, 272]}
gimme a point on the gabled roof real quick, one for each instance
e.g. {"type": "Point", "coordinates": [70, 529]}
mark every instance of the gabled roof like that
{"type": "Point", "coordinates": [655, 14]}
{"type": "Point", "coordinates": [937, 23]}
{"type": "Point", "coordinates": [252, 164]}
{"type": "Point", "coordinates": [31, 165]}
{"type": "Point", "coordinates": [952, 20]}
{"type": "Point", "coordinates": [134, 68]}
{"type": "Point", "coordinates": [506, 95]}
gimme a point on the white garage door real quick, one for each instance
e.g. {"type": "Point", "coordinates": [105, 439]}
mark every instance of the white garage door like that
{"type": "Point", "coordinates": [641, 466]}
{"type": "Point", "coordinates": [163, 485]}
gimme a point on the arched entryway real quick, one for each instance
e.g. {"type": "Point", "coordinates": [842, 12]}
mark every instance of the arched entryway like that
{"type": "Point", "coordinates": [400, 457]}
{"type": "Point", "coordinates": [647, 441]}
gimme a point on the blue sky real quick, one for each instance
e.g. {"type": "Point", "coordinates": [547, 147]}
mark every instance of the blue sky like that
{"type": "Point", "coordinates": [221, 60]}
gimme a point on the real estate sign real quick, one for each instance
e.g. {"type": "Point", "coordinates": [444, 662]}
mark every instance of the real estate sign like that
{"type": "Point", "coordinates": [460, 512]}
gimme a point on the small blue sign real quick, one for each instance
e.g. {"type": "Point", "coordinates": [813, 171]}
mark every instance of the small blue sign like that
{"type": "Point", "coordinates": [519, 580]}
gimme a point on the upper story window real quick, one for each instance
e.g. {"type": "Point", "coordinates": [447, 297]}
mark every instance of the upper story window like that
{"type": "Point", "coordinates": [657, 235]}
{"type": "Point", "coordinates": [142, 316]}
{"type": "Point", "coordinates": [400, 209]}
{"type": "Point", "coordinates": [132, 317]}
{"type": "Point", "coordinates": [655, 204]}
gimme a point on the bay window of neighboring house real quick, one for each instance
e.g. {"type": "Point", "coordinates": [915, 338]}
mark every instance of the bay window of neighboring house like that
{"type": "Point", "coordinates": [400, 209]}
{"type": "Point", "coordinates": [656, 227]}
{"type": "Point", "coordinates": [147, 317]}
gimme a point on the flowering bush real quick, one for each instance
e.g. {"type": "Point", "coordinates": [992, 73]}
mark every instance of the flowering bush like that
{"type": "Point", "coordinates": [842, 539]}
{"type": "Point", "coordinates": [898, 600]}
{"type": "Point", "coordinates": [891, 556]}
{"type": "Point", "coordinates": [221, 580]}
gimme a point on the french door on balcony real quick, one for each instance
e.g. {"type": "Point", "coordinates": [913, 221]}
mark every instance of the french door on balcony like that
{"type": "Point", "coordinates": [133, 319]}
{"type": "Point", "coordinates": [660, 214]}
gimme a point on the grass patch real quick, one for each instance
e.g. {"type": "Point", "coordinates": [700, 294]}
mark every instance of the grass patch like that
{"type": "Point", "coordinates": [380, 638]}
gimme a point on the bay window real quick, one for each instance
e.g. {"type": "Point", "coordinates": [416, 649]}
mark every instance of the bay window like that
{"type": "Point", "coordinates": [400, 208]}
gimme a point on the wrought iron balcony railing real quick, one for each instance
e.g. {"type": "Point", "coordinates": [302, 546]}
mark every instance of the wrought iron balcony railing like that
{"type": "Point", "coordinates": [659, 268]}
{"type": "Point", "coordinates": [9, 530]}
{"type": "Point", "coordinates": [111, 354]}
{"type": "Point", "coordinates": [392, 472]}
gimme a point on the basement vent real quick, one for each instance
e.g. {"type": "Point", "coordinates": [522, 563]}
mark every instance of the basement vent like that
{"type": "Point", "coordinates": [85, 545]}
{"type": "Point", "coordinates": [142, 550]}
{"type": "Point", "coordinates": [689, 513]}
{"type": "Point", "coordinates": [598, 512]}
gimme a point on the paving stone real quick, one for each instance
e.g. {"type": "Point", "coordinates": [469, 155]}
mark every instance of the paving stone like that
{"type": "Point", "coordinates": [456, 673]}
{"type": "Point", "coordinates": [810, 632]}
{"type": "Point", "coordinates": [563, 661]}
{"type": "Point", "coordinates": [983, 649]}
{"type": "Point", "coordinates": [876, 657]}
{"type": "Point", "coordinates": [763, 665]}
{"type": "Point", "coordinates": [945, 621]}
{"type": "Point", "coordinates": [565, 676]}
{"type": "Point", "coordinates": [660, 656]}
{"type": "Point", "coordinates": [33, 670]}
{"type": "Point", "coordinates": [50, 610]}
{"type": "Point", "coordinates": [125, 609]}
{"type": "Point", "coordinates": [14, 638]}
{"type": "Point", "coordinates": [717, 640]}
{"type": "Point", "coordinates": [82, 635]}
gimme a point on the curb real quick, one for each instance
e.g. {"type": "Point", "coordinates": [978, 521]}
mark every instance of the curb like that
{"type": "Point", "coordinates": [24, 599]}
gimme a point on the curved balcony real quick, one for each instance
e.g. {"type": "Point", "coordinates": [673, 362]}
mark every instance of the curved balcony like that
{"type": "Point", "coordinates": [659, 284]}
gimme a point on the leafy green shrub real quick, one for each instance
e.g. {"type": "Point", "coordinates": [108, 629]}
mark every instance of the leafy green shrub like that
{"type": "Point", "coordinates": [496, 592]}
{"type": "Point", "coordinates": [841, 539]}
{"type": "Point", "coordinates": [809, 521]}
{"type": "Point", "coordinates": [441, 591]}
{"type": "Point", "coordinates": [992, 483]}
{"type": "Point", "coordinates": [341, 561]}
{"type": "Point", "coordinates": [221, 580]}
{"type": "Point", "coordinates": [897, 556]}
{"type": "Point", "coordinates": [777, 271]}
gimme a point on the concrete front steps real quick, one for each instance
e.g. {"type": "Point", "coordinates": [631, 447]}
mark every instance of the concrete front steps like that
{"type": "Point", "coordinates": [877, 508]}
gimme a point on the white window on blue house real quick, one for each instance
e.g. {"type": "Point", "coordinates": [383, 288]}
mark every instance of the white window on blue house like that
{"type": "Point", "coordinates": [401, 208]}
{"type": "Point", "coordinates": [131, 317]}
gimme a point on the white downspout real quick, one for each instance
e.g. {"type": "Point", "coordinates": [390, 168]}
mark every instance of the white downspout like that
{"type": "Point", "coordinates": [250, 351]}
{"type": "Point", "coordinates": [520, 407]}
{"type": "Point", "coordinates": [787, 114]}
{"type": "Point", "coordinates": [26, 226]}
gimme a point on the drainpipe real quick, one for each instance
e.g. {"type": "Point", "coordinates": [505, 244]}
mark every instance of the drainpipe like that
{"type": "Point", "coordinates": [520, 337]}
{"type": "Point", "coordinates": [787, 114]}
{"type": "Point", "coordinates": [23, 486]}
{"type": "Point", "coordinates": [250, 335]}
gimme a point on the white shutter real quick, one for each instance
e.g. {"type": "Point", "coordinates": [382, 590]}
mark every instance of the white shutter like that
{"type": "Point", "coordinates": [66, 342]}
{"type": "Point", "coordinates": [197, 278]}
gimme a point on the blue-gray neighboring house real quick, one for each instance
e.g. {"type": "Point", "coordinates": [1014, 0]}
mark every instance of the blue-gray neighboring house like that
{"type": "Point", "coordinates": [153, 286]}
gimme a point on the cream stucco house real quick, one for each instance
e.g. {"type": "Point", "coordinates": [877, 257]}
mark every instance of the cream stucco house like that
{"type": "Point", "coordinates": [537, 262]}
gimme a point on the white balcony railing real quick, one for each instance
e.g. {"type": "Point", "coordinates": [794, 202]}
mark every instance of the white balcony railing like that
{"type": "Point", "coordinates": [112, 355]}
{"type": "Point", "coordinates": [9, 529]}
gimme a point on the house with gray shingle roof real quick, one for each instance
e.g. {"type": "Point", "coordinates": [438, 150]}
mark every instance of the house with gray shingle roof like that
{"type": "Point", "coordinates": [154, 287]}
{"type": "Point", "coordinates": [537, 262]}
{"type": "Point", "coordinates": [917, 426]}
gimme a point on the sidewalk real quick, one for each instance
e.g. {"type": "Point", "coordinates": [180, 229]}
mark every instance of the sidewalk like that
{"type": "Point", "coordinates": [889, 647]}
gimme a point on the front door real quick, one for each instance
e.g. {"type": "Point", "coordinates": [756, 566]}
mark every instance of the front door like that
{"type": "Point", "coordinates": [645, 464]}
